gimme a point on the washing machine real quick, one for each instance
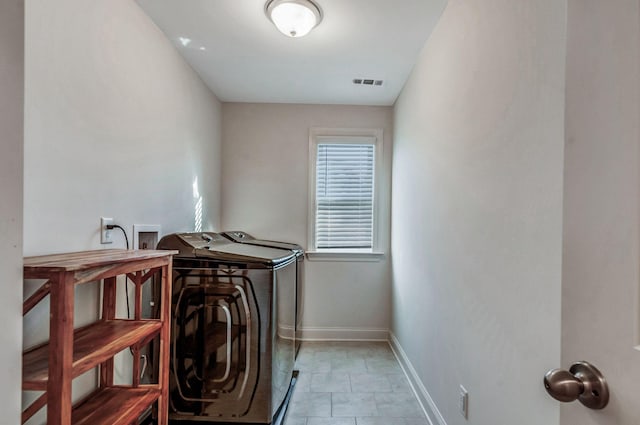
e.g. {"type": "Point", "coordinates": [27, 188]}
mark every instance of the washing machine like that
{"type": "Point", "coordinates": [232, 356]}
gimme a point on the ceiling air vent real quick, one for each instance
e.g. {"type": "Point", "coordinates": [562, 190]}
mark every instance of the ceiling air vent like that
{"type": "Point", "coordinates": [367, 82]}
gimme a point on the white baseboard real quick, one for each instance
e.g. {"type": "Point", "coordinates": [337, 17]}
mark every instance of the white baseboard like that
{"type": "Point", "coordinates": [428, 405]}
{"type": "Point", "coordinates": [344, 334]}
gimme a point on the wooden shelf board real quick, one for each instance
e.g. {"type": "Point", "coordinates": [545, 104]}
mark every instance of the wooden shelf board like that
{"type": "Point", "coordinates": [76, 261]}
{"type": "Point", "coordinates": [114, 405]}
{"type": "Point", "coordinates": [92, 345]}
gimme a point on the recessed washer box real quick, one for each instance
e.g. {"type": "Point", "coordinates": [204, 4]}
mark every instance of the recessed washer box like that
{"type": "Point", "coordinates": [146, 236]}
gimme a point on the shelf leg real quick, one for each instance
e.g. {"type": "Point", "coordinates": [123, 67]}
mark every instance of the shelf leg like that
{"type": "Point", "coordinates": [60, 350]}
{"type": "Point", "coordinates": [108, 313]}
{"type": "Point", "coordinates": [138, 296]}
{"type": "Point", "coordinates": [165, 337]}
{"type": "Point", "coordinates": [136, 366]}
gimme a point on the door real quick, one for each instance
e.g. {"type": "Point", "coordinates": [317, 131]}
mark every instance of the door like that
{"type": "Point", "coordinates": [600, 249]}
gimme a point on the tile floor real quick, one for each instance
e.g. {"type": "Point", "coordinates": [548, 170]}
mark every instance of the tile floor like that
{"type": "Point", "coordinates": [351, 383]}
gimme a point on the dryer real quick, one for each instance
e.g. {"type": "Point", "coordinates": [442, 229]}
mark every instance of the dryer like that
{"type": "Point", "coordinates": [246, 238]}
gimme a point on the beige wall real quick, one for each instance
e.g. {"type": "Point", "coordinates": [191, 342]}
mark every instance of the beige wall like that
{"type": "Point", "coordinates": [600, 253]}
{"type": "Point", "coordinates": [265, 192]}
{"type": "Point", "coordinates": [477, 211]}
{"type": "Point", "coordinates": [116, 125]}
{"type": "Point", "coordinates": [11, 151]}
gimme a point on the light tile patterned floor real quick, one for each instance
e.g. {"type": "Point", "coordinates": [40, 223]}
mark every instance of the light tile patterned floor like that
{"type": "Point", "coordinates": [351, 383]}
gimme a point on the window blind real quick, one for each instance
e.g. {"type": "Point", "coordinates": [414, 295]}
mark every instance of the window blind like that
{"type": "Point", "coordinates": [344, 196]}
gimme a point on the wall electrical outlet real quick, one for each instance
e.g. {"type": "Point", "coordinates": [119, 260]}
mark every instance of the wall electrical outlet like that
{"type": "Point", "coordinates": [106, 235]}
{"type": "Point", "coordinates": [463, 402]}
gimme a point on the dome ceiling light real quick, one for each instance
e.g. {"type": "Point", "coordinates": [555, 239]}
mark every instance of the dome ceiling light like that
{"type": "Point", "coordinates": [294, 18]}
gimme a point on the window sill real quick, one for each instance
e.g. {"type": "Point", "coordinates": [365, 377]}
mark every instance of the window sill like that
{"type": "Point", "coordinates": [345, 256]}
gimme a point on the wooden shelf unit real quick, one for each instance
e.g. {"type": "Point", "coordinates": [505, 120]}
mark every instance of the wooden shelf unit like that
{"type": "Point", "coordinates": [51, 367]}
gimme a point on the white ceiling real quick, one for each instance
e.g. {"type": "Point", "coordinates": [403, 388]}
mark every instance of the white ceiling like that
{"type": "Point", "coordinates": [242, 57]}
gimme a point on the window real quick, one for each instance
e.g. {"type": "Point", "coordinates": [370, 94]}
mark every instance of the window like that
{"type": "Point", "coordinates": [343, 186]}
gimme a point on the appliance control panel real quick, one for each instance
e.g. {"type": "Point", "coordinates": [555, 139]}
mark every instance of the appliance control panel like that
{"type": "Point", "coordinates": [240, 236]}
{"type": "Point", "coordinates": [202, 240]}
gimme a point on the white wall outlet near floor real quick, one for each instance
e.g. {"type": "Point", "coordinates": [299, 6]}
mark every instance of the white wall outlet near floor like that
{"type": "Point", "coordinates": [463, 402]}
{"type": "Point", "coordinates": [106, 235]}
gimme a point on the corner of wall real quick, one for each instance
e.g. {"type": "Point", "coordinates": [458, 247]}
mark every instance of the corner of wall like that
{"type": "Point", "coordinates": [11, 210]}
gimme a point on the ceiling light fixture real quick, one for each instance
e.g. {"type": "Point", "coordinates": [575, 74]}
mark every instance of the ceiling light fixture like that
{"type": "Point", "coordinates": [294, 18]}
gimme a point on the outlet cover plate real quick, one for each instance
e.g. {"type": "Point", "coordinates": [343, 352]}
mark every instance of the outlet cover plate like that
{"type": "Point", "coordinates": [463, 402]}
{"type": "Point", "coordinates": [106, 235]}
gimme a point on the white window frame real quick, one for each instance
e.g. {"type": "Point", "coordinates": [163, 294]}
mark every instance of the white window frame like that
{"type": "Point", "coordinates": [372, 136]}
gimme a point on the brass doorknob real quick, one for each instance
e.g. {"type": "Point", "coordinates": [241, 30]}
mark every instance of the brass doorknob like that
{"type": "Point", "coordinates": [582, 381]}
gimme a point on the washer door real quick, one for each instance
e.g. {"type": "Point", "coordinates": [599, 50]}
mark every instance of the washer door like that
{"type": "Point", "coordinates": [214, 370]}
